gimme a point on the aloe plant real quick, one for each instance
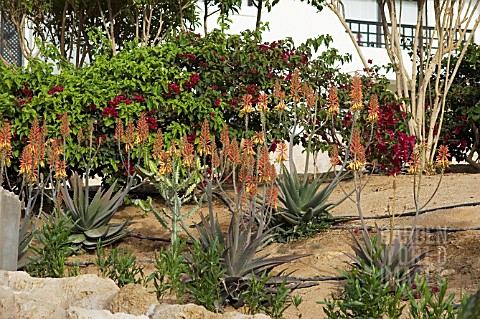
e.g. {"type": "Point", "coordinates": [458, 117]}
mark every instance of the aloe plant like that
{"type": "Point", "coordinates": [26, 234]}
{"type": "Point", "coordinates": [304, 209]}
{"type": "Point", "coordinates": [241, 255]}
{"type": "Point", "coordinates": [301, 200]}
{"type": "Point", "coordinates": [91, 217]}
{"type": "Point", "coordinates": [399, 261]}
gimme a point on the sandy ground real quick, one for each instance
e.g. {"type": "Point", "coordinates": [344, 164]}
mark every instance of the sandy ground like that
{"type": "Point", "coordinates": [452, 255]}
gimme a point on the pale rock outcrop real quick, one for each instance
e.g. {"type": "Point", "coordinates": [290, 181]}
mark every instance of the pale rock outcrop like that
{"type": "Point", "coordinates": [89, 297]}
{"type": "Point", "coordinates": [22, 296]}
{"type": "Point", "coordinates": [191, 311]}
{"type": "Point", "coordinates": [133, 299]}
{"type": "Point", "coordinates": [82, 313]}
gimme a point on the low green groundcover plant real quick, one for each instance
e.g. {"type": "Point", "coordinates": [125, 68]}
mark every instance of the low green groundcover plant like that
{"type": "Point", "coordinates": [51, 248]}
{"type": "Point", "coordinates": [119, 265]}
{"type": "Point", "coordinates": [366, 294]}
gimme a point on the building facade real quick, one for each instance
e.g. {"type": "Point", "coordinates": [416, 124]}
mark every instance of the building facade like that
{"type": "Point", "coordinates": [301, 21]}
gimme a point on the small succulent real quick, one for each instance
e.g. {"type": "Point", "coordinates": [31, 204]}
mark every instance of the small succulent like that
{"type": "Point", "coordinates": [398, 261]}
{"type": "Point", "coordinates": [91, 217]}
{"type": "Point", "coordinates": [303, 207]}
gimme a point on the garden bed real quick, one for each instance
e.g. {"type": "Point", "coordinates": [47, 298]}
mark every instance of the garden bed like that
{"type": "Point", "coordinates": [453, 255]}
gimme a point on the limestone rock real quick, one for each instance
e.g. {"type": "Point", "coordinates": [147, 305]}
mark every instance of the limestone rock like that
{"type": "Point", "coordinates": [447, 272]}
{"type": "Point", "coordinates": [191, 311]}
{"type": "Point", "coordinates": [89, 297]}
{"type": "Point", "coordinates": [24, 297]}
{"type": "Point", "coordinates": [82, 313]}
{"type": "Point", "coordinates": [133, 299]}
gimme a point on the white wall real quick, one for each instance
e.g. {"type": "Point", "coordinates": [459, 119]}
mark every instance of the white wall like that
{"type": "Point", "coordinates": [301, 21]}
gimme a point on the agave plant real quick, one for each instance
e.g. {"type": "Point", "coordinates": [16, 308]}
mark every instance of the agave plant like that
{"type": "Point", "coordinates": [304, 209]}
{"type": "Point", "coordinates": [240, 255]}
{"type": "Point", "coordinates": [399, 261]}
{"type": "Point", "coordinates": [91, 217]}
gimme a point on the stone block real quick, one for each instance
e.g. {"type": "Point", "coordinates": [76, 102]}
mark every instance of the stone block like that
{"type": "Point", "coordinates": [10, 208]}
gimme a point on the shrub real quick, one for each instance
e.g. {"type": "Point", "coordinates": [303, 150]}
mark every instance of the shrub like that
{"type": "Point", "coordinates": [170, 272]}
{"type": "Point", "coordinates": [431, 302]}
{"type": "Point", "coordinates": [365, 295]}
{"type": "Point", "coordinates": [461, 124]}
{"type": "Point", "coordinates": [206, 271]}
{"type": "Point", "coordinates": [178, 84]}
{"type": "Point", "coordinates": [52, 248]}
{"type": "Point", "coordinates": [119, 265]}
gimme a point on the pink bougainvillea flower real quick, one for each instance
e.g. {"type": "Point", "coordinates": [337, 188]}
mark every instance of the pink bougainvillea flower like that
{"type": "Point", "coordinates": [110, 112]}
{"type": "Point", "coordinates": [55, 89]}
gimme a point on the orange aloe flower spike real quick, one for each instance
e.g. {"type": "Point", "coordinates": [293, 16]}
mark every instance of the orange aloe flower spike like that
{"type": "Point", "coordinates": [142, 128]}
{"type": "Point", "coordinates": [442, 157]}
{"type": "Point", "coordinates": [356, 94]}
{"type": "Point", "coordinates": [65, 126]}
{"type": "Point", "coordinates": [333, 101]}
{"type": "Point", "coordinates": [373, 109]}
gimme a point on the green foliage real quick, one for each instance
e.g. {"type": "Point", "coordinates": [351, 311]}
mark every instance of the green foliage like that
{"type": "Point", "coordinates": [255, 294]}
{"type": "Point", "coordinates": [397, 260]}
{"type": "Point", "coordinates": [470, 307]}
{"type": "Point", "coordinates": [303, 210]}
{"type": "Point", "coordinates": [170, 272]}
{"type": "Point", "coordinates": [178, 84]}
{"type": "Point", "coordinates": [206, 272]}
{"type": "Point", "coordinates": [257, 299]}
{"type": "Point", "coordinates": [461, 125]}
{"type": "Point", "coordinates": [119, 265]}
{"type": "Point", "coordinates": [91, 217]}
{"type": "Point", "coordinates": [176, 188]}
{"type": "Point", "coordinates": [366, 295]}
{"type": "Point", "coordinates": [279, 301]}
{"type": "Point", "coordinates": [52, 248]}
{"type": "Point", "coordinates": [296, 302]}
{"type": "Point", "coordinates": [431, 302]}
{"type": "Point", "coordinates": [74, 269]}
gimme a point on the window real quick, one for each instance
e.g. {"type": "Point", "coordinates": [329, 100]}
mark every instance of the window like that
{"type": "Point", "coordinates": [9, 44]}
{"type": "Point", "coordinates": [370, 33]}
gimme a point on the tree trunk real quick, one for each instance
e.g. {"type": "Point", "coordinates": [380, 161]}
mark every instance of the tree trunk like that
{"type": "Point", "coordinates": [475, 149]}
{"type": "Point", "coordinates": [205, 16]}
{"type": "Point", "coordinates": [62, 34]}
{"type": "Point", "coordinates": [259, 14]}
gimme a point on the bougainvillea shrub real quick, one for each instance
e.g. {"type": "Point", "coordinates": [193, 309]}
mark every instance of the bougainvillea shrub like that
{"type": "Point", "coordinates": [178, 84]}
{"type": "Point", "coordinates": [387, 139]}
